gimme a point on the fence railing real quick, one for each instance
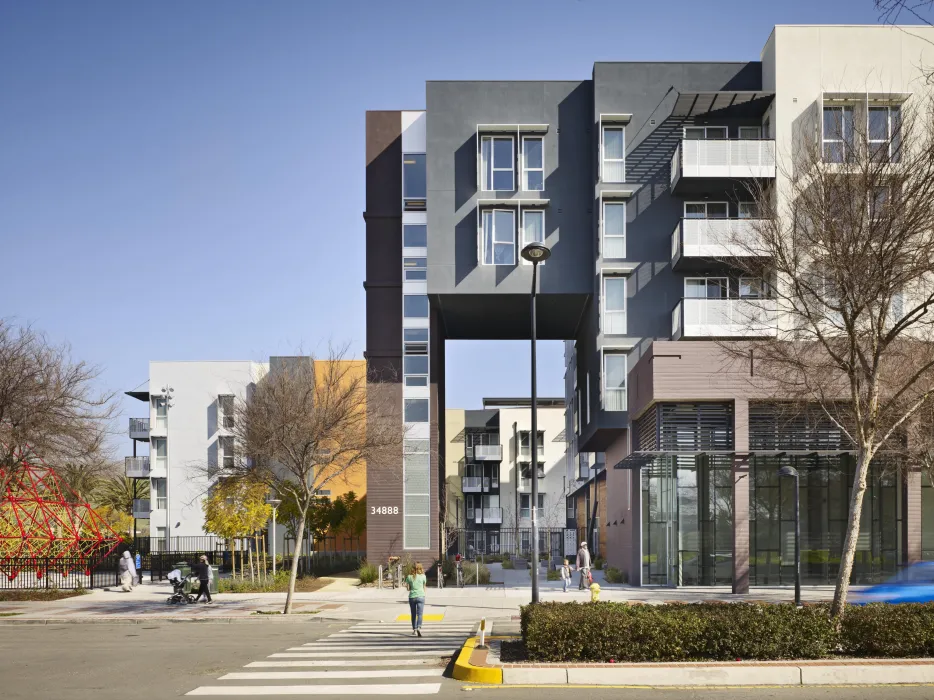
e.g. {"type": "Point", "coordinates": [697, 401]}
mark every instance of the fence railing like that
{"type": "Point", "coordinates": [726, 158]}
{"type": "Point", "coordinates": [65, 573]}
{"type": "Point", "coordinates": [137, 467]}
{"type": "Point", "coordinates": [139, 428]}
{"type": "Point", "coordinates": [724, 318]}
{"type": "Point", "coordinates": [554, 542]}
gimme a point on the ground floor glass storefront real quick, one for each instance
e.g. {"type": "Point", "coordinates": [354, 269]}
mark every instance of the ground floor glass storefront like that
{"type": "Point", "coordinates": [688, 520]}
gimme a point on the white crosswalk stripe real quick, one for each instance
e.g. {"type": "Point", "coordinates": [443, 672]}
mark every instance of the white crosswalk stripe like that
{"type": "Point", "coordinates": [366, 659]}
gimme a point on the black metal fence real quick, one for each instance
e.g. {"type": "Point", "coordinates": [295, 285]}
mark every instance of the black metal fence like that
{"type": "Point", "coordinates": [553, 542]}
{"type": "Point", "coordinates": [324, 563]}
{"type": "Point", "coordinates": [68, 573]}
{"type": "Point", "coordinates": [204, 544]}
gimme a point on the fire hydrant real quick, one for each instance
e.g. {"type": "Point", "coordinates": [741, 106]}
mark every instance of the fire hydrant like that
{"type": "Point", "coordinates": [594, 592]}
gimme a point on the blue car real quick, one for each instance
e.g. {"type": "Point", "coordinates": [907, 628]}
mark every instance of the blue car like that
{"type": "Point", "coordinates": [914, 584]}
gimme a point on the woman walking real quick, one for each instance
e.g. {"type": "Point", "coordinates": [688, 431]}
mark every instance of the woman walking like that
{"type": "Point", "coordinates": [416, 583]}
{"type": "Point", "coordinates": [205, 575]}
{"type": "Point", "coordinates": [127, 572]}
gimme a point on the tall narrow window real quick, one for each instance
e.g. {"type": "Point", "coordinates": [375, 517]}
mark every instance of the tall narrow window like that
{"type": "Point", "coordinates": [614, 154]}
{"type": "Point", "coordinates": [614, 230]}
{"type": "Point", "coordinates": [838, 134]}
{"type": "Point", "coordinates": [614, 381]}
{"type": "Point", "coordinates": [415, 370]}
{"type": "Point", "coordinates": [533, 226]}
{"type": "Point", "coordinates": [533, 163]}
{"type": "Point", "coordinates": [225, 406]}
{"type": "Point", "coordinates": [499, 237]}
{"type": "Point", "coordinates": [414, 180]}
{"type": "Point", "coordinates": [159, 452]}
{"type": "Point", "coordinates": [614, 305]}
{"type": "Point", "coordinates": [225, 445]}
{"type": "Point", "coordinates": [415, 306]}
{"type": "Point", "coordinates": [161, 404]}
{"type": "Point", "coordinates": [884, 134]}
{"type": "Point", "coordinates": [158, 488]}
{"type": "Point", "coordinates": [415, 235]}
{"type": "Point", "coordinates": [497, 163]}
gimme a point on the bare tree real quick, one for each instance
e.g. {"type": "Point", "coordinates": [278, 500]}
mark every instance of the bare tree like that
{"type": "Point", "coordinates": [895, 11]}
{"type": "Point", "coordinates": [49, 404]}
{"type": "Point", "coordinates": [846, 247]}
{"type": "Point", "coordinates": [307, 424]}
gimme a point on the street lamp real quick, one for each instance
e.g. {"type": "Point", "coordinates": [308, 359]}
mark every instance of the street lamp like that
{"type": "Point", "coordinates": [792, 472]}
{"type": "Point", "coordinates": [275, 503]}
{"type": "Point", "coordinates": [535, 253]}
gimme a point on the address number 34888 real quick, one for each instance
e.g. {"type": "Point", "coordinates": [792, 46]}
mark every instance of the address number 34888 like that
{"type": "Point", "coordinates": [384, 510]}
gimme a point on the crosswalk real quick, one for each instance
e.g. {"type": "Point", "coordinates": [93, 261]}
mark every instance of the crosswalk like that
{"type": "Point", "coordinates": [369, 658]}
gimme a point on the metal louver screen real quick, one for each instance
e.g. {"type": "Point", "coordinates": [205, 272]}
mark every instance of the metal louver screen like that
{"type": "Point", "coordinates": [776, 426]}
{"type": "Point", "coordinates": [694, 427]}
{"type": "Point", "coordinates": [647, 429]}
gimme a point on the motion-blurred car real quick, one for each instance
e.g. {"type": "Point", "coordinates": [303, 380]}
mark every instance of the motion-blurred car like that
{"type": "Point", "coordinates": [914, 584]}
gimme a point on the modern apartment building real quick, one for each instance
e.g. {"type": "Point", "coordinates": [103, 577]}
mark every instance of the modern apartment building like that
{"type": "Point", "coordinates": [636, 179]}
{"type": "Point", "coordinates": [184, 432]}
{"type": "Point", "coordinates": [488, 478]}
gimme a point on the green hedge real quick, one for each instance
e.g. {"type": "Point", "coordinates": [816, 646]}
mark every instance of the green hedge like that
{"type": "Point", "coordinates": [588, 632]}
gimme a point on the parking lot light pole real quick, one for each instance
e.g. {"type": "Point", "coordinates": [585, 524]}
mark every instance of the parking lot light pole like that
{"type": "Point", "coordinates": [535, 253]}
{"type": "Point", "coordinates": [792, 472]}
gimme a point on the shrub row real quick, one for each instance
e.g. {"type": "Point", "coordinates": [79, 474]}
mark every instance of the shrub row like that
{"type": "Point", "coordinates": [600, 632]}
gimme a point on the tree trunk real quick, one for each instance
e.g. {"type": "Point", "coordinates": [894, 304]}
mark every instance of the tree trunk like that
{"type": "Point", "coordinates": [852, 534]}
{"type": "Point", "coordinates": [293, 574]}
{"type": "Point", "coordinates": [249, 553]}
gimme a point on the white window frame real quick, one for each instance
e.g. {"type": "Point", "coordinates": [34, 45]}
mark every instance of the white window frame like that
{"type": "Point", "coordinates": [603, 158]}
{"type": "Point", "coordinates": [604, 324]}
{"type": "Point", "coordinates": [415, 347]}
{"type": "Point", "coordinates": [719, 129]}
{"type": "Point", "coordinates": [889, 132]}
{"type": "Point", "coordinates": [406, 268]}
{"type": "Point", "coordinates": [223, 418]}
{"type": "Point", "coordinates": [159, 502]}
{"type": "Point", "coordinates": [427, 315]}
{"type": "Point", "coordinates": [488, 186]}
{"type": "Point", "coordinates": [524, 170]}
{"type": "Point", "coordinates": [493, 212]}
{"type": "Point", "coordinates": [761, 283]}
{"type": "Point", "coordinates": [418, 375]}
{"type": "Point", "coordinates": [706, 206]}
{"type": "Point", "coordinates": [614, 352]}
{"type": "Point", "coordinates": [844, 108]}
{"type": "Point", "coordinates": [587, 391]}
{"type": "Point", "coordinates": [405, 404]}
{"type": "Point", "coordinates": [604, 235]}
{"type": "Point", "coordinates": [525, 239]}
{"type": "Point", "coordinates": [757, 129]}
{"type": "Point", "coordinates": [160, 461]}
{"type": "Point", "coordinates": [751, 208]}
{"type": "Point", "coordinates": [705, 280]}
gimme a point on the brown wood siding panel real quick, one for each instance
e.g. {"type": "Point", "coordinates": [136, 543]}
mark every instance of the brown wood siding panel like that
{"type": "Point", "coordinates": [619, 514]}
{"type": "Point", "coordinates": [384, 488]}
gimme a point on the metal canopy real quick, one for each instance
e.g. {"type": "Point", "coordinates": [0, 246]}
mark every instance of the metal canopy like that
{"type": "Point", "coordinates": [636, 460]}
{"type": "Point", "coordinates": [690, 104]}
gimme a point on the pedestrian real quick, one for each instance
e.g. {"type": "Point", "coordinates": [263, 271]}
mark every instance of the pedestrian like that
{"type": "Point", "coordinates": [416, 583]}
{"type": "Point", "coordinates": [583, 565]}
{"type": "Point", "coordinates": [127, 571]}
{"type": "Point", "coordinates": [139, 568]}
{"type": "Point", "coordinates": [205, 575]}
{"type": "Point", "coordinates": [566, 574]}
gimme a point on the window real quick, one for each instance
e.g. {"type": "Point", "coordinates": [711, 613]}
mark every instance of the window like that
{"type": "Point", "coordinates": [705, 288]}
{"type": "Point", "coordinates": [415, 305]}
{"type": "Point", "coordinates": [416, 410]}
{"type": "Point", "coordinates": [749, 210]}
{"type": "Point", "coordinates": [416, 490]}
{"type": "Point", "coordinates": [705, 210]}
{"type": "Point", "coordinates": [415, 341]}
{"type": "Point", "coordinates": [525, 503]}
{"type": "Point", "coordinates": [415, 369]}
{"type": "Point", "coordinates": [225, 446]}
{"type": "Point", "coordinates": [225, 406]}
{"type": "Point", "coordinates": [499, 237]}
{"type": "Point", "coordinates": [525, 471]}
{"type": "Point", "coordinates": [415, 235]}
{"type": "Point", "coordinates": [161, 404]}
{"type": "Point", "coordinates": [571, 508]}
{"type": "Point", "coordinates": [838, 134]}
{"type": "Point", "coordinates": [587, 405]}
{"type": "Point", "coordinates": [884, 134]}
{"type": "Point", "coordinates": [614, 230]}
{"type": "Point", "coordinates": [414, 186]}
{"type": "Point", "coordinates": [614, 381]}
{"type": "Point", "coordinates": [160, 453]}
{"type": "Point", "coordinates": [750, 132]}
{"type": "Point", "coordinates": [415, 269]}
{"type": "Point", "coordinates": [704, 133]}
{"type": "Point", "coordinates": [158, 489]}
{"type": "Point", "coordinates": [752, 288]}
{"type": "Point", "coordinates": [577, 411]}
{"type": "Point", "coordinates": [766, 128]}
{"type": "Point", "coordinates": [533, 164]}
{"type": "Point", "coordinates": [614, 154]}
{"type": "Point", "coordinates": [497, 163]}
{"type": "Point", "coordinates": [614, 305]}
{"type": "Point", "coordinates": [525, 448]}
{"type": "Point", "coordinates": [533, 227]}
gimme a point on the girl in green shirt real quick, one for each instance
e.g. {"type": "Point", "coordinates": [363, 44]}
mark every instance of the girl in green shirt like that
{"type": "Point", "coordinates": [416, 584]}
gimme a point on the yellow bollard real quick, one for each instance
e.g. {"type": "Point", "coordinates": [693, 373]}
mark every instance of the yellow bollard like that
{"type": "Point", "coordinates": [594, 592]}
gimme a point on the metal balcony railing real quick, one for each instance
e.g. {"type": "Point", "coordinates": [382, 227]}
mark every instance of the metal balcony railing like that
{"type": "Point", "coordinates": [471, 484]}
{"type": "Point", "coordinates": [716, 238]}
{"type": "Point", "coordinates": [488, 453]}
{"type": "Point", "coordinates": [137, 467]}
{"type": "Point", "coordinates": [724, 318]}
{"type": "Point", "coordinates": [485, 515]}
{"type": "Point", "coordinates": [723, 158]}
{"type": "Point", "coordinates": [139, 428]}
{"type": "Point", "coordinates": [141, 509]}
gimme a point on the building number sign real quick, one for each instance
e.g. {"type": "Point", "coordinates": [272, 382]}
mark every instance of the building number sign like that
{"type": "Point", "coordinates": [384, 510]}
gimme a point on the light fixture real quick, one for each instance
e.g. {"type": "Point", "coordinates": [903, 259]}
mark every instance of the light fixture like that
{"type": "Point", "coordinates": [536, 252]}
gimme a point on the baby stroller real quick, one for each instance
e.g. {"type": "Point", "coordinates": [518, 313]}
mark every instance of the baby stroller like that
{"type": "Point", "coordinates": [181, 589]}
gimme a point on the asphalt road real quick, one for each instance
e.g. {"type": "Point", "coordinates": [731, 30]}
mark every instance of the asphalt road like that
{"type": "Point", "coordinates": [158, 661]}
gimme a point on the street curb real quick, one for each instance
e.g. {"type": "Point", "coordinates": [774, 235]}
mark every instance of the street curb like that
{"type": "Point", "coordinates": [253, 619]}
{"type": "Point", "coordinates": [466, 671]}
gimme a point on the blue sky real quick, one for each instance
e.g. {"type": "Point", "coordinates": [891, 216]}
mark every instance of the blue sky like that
{"type": "Point", "coordinates": [185, 180]}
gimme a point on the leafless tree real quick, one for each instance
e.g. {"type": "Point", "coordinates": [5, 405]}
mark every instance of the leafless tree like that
{"type": "Point", "coordinates": [846, 244]}
{"type": "Point", "coordinates": [50, 405]}
{"type": "Point", "coordinates": [308, 424]}
{"type": "Point", "coordinates": [896, 11]}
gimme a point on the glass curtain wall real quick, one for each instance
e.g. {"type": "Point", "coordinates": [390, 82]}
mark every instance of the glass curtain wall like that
{"type": "Point", "coordinates": [825, 497]}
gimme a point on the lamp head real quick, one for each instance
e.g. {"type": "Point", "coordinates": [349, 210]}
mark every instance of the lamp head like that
{"type": "Point", "coordinates": [536, 252]}
{"type": "Point", "coordinates": [788, 471]}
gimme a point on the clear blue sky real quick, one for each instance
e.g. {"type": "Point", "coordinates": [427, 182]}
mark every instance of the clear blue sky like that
{"type": "Point", "coordinates": [185, 180]}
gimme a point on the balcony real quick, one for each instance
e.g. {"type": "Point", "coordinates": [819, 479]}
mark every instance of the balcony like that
{"type": "Point", "coordinates": [141, 509]}
{"type": "Point", "coordinates": [471, 484]}
{"type": "Point", "coordinates": [139, 428]}
{"type": "Point", "coordinates": [487, 516]}
{"type": "Point", "coordinates": [487, 453]}
{"type": "Point", "coordinates": [694, 242]}
{"type": "Point", "coordinates": [137, 467]}
{"type": "Point", "coordinates": [724, 318]}
{"type": "Point", "coordinates": [697, 161]}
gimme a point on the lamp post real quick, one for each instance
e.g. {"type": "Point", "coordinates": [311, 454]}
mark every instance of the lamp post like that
{"type": "Point", "coordinates": [168, 393]}
{"type": "Point", "coordinates": [792, 472]}
{"type": "Point", "coordinates": [275, 503]}
{"type": "Point", "coordinates": [535, 253]}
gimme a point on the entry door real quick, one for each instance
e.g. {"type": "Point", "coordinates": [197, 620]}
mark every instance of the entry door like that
{"type": "Point", "coordinates": [659, 521]}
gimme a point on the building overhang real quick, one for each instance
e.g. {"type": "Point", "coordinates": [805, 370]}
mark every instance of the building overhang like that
{"type": "Point", "coordinates": [693, 104]}
{"type": "Point", "coordinates": [640, 459]}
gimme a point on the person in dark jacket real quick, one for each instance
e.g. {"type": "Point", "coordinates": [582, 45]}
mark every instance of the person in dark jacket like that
{"type": "Point", "coordinates": [203, 570]}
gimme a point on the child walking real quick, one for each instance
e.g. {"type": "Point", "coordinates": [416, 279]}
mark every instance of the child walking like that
{"type": "Point", "coordinates": [566, 574]}
{"type": "Point", "coordinates": [416, 582]}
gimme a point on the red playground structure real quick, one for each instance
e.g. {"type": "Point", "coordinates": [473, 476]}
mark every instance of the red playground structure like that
{"type": "Point", "coordinates": [46, 526]}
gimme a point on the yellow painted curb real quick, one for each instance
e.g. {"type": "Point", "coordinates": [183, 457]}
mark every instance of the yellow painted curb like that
{"type": "Point", "coordinates": [425, 618]}
{"type": "Point", "coordinates": [466, 671]}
